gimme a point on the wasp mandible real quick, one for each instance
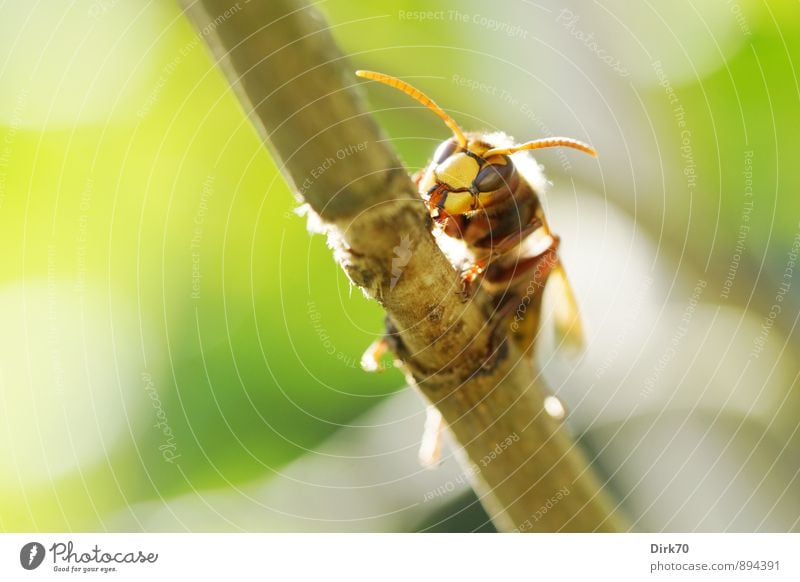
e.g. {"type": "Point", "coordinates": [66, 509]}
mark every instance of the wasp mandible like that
{"type": "Point", "coordinates": [483, 190]}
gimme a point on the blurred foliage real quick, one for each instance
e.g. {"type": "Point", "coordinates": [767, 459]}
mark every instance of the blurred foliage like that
{"type": "Point", "coordinates": [244, 374]}
{"type": "Point", "coordinates": [128, 168]}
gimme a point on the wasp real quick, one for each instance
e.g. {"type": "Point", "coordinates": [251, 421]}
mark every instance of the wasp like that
{"type": "Point", "coordinates": [483, 192]}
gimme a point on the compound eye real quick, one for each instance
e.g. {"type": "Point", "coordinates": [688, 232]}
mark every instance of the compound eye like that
{"type": "Point", "coordinates": [494, 176]}
{"type": "Point", "coordinates": [444, 151]}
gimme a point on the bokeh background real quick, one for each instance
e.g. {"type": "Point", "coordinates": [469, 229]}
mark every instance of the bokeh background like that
{"type": "Point", "coordinates": [178, 353]}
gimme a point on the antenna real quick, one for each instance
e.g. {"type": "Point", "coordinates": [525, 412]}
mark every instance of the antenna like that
{"type": "Point", "coordinates": [548, 142]}
{"type": "Point", "coordinates": [415, 93]}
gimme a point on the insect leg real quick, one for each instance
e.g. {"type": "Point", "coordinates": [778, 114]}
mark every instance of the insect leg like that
{"type": "Point", "coordinates": [566, 314]}
{"type": "Point", "coordinates": [371, 359]}
{"type": "Point", "coordinates": [567, 317]}
{"type": "Point", "coordinates": [430, 449]}
{"type": "Point", "coordinates": [524, 325]}
{"type": "Point", "coordinates": [497, 249]}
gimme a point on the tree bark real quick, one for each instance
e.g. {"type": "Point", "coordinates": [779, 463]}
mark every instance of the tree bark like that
{"type": "Point", "coordinates": [299, 92]}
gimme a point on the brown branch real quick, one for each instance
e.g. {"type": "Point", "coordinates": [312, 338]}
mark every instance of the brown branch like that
{"type": "Point", "coordinates": [298, 90]}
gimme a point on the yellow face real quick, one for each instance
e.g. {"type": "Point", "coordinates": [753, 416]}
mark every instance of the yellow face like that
{"type": "Point", "coordinates": [459, 180]}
